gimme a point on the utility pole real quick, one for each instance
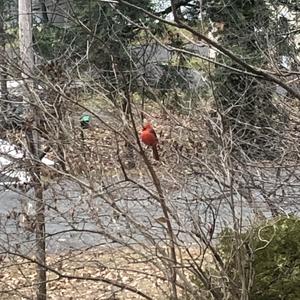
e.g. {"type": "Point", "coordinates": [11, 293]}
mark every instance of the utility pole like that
{"type": "Point", "coordinates": [32, 135]}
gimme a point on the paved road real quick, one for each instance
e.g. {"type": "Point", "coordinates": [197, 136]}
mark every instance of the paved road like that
{"type": "Point", "coordinates": [76, 219]}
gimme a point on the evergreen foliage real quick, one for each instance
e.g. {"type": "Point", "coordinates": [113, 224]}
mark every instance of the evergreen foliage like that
{"type": "Point", "coordinates": [246, 103]}
{"type": "Point", "coordinates": [272, 249]}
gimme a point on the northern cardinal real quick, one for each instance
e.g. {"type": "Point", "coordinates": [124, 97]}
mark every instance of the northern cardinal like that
{"type": "Point", "coordinates": [148, 137]}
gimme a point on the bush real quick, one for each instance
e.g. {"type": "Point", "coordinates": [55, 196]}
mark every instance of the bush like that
{"type": "Point", "coordinates": [275, 258]}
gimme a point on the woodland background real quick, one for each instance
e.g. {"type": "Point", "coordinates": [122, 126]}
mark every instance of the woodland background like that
{"type": "Point", "coordinates": [218, 216]}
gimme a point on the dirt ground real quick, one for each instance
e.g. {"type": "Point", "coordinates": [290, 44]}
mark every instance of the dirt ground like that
{"type": "Point", "coordinates": [87, 273]}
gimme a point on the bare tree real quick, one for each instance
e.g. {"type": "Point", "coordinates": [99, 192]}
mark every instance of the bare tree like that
{"type": "Point", "coordinates": [152, 231]}
{"type": "Point", "coordinates": [3, 74]}
{"type": "Point", "coordinates": [33, 141]}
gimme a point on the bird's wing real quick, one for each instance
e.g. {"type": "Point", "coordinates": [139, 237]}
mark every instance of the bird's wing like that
{"type": "Point", "coordinates": [152, 131]}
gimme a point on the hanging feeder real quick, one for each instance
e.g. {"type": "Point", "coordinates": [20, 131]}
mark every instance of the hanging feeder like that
{"type": "Point", "coordinates": [85, 121]}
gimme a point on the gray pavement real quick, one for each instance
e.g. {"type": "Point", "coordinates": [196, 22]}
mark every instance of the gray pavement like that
{"type": "Point", "coordinates": [76, 219]}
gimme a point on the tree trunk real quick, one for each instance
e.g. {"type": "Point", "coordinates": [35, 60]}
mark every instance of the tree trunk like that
{"type": "Point", "coordinates": [3, 70]}
{"type": "Point", "coordinates": [40, 236]}
{"type": "Point", "coordinates": [27, 63]}
{"type": "Point", "coordinates": [45, 18]}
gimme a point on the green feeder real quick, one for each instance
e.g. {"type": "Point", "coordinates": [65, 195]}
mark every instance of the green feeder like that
{"type": "Point", "coordinates": [85, 121]}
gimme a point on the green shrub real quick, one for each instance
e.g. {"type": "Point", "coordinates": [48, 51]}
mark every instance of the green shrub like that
{"type": "Point", "coordinates": [275, 258]}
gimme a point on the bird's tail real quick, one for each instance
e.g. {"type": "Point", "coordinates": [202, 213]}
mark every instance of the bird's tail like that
{"type": "Point", "coordinates": [155, 152]}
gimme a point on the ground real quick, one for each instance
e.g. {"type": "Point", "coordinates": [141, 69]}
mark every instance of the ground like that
{"type": "Point", "coordinates": [123, 265]}
{"type": "Point", "coordinates": [184, 146]}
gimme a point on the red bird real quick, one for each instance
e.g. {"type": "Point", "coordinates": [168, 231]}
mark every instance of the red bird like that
{"type": "Point", "coordinates": [149, 138]}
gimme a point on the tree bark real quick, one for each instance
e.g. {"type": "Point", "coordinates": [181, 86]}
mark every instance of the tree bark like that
{"type": "Point", "coordinates": [45, 18]}
{"type": "Point", "coordinates": [3, 70]}
{"type": "Point", "coordinates": [27, 63]}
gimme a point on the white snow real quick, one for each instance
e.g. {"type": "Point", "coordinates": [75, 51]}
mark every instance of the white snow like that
{"type": "Point", "coordinates": [10, 150]}
{"type": "Point", "coordinates": [13, 84]}
{"type": "Point", "coordinates": [47, 162]}
{"type": "Point", "coordinates": [7, 168]}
